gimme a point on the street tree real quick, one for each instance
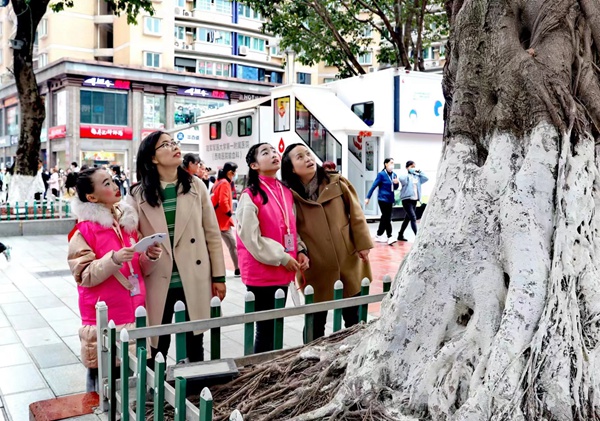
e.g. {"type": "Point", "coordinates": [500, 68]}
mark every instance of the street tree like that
{"type": "Point", "coordinates": [336, 32]}
{"type": "Point", "coordinates": [495, 312]}
{"type": "Point", "coordinates": [28, 14]}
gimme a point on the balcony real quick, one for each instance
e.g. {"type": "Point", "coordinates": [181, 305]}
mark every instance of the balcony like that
{"type": "Point", "coordinates": [109, 19]}
{"type": "Point", "coordinates": [104, 52]}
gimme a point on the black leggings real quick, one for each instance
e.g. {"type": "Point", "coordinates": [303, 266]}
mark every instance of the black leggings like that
{"type": "Point", "coordinates": [264, 299]}
{"type": "Point", "coordinates": [410, 207]}
{"type": "Point", "coordinates": [349, 314]}
{"type": "Point", "coordinates": [193, 343]}
{"type": "Point", "coordinates": [385, 223]}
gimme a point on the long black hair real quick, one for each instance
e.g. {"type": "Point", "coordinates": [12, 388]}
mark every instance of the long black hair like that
{"type": "Point", "coordinates": [147, 173]}
{"type": "Point", "coordinates": [190, 158]}
{"type": "Point", "coordinates": [291, 179]}
{"type": "Point", "coordinates": [84, 184]}
{"type": "Point", "coordinates": [386, 160]}
{"type": "Point", "coordinates": [253, 183]}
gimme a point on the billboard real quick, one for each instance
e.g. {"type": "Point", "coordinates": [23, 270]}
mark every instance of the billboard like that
{"type": "Point", "coordinates": [420, 104]}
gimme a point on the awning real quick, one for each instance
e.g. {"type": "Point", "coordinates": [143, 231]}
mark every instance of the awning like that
{"type": "Point", "coordinates": [234, 110]}
{"type": "Point", "coordinates": [331, 112]}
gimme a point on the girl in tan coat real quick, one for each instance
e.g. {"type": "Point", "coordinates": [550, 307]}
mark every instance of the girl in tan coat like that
{"type": "Point", "coordinates": [192, 269]}
{"type": "Point", "coordinates": [333, 227]}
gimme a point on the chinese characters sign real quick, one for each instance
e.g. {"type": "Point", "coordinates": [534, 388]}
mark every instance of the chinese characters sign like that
{"type": "Point", "coordinates": [203, 93]}
{"type": "Point", "coordinates": [57, 132]}
{"type": "Point", "coordinates": [105, 132]}
{"type": "Point", "coordinates": [100, 82]}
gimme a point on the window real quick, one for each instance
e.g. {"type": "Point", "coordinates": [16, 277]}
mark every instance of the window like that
{"type": "Point", "coordinates": [43, 28]}
{"type": "Point", "coordinates": [247, 12]}
{"type": "Point", "coordinates": [281, 116]}
{"type": "Point", "coordinates": [214, 68]}
{"type": "Point", "coordinates": [59, 108]}
{"type": "Point", "coordinates": [154, 111]}
{"type": "Point", "coordinates": [245, 126]}
{"type": "Point", "coordinates": [152, 26]}
{"type": "Point", "coordinates": [214, 36]}
{"type": "Point", "coordinates": [328, 79]}
{"type": "Point", "coordinates": [180, 33]}
{"type": "Point", "coordinates": [180, 3]}
{"type": "Point", "coordinates": [103, 107]}
{"type": "Point", "coordinates": [258, 44]}
{"type": "Point", "coordinates": [367, 32]}
{"type": "Point", "coordinates": [1, 56]}
{"type": "Point", "coordinates": [1, 28]}
{"type": "Point", "coordinates": [244, 40]}
{"type": "Point", "coordinates": [151, 59]}
{"type": "Point", "coordinates": [365, 58]}
{"type": "Point", "coordinates": [365, 111]}
{"type": "Point", "coordinates": [42, 60]}
{"type": "Point", "coordinates": [215, 130]}
{"type": "Point", "coordinates": [221, 6]}
{"type": "Point", "coordinates": [247, 72]}
{"type": "Point", "coordinates": [188, 109]}
{"type": "Point", "coordinates": [303, 78]}
{"type": "Point", "coordinates": [311, 131]}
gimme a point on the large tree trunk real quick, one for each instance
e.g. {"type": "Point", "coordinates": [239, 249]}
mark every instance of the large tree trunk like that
{"type": "Point", "coordinates": [32, 110]}
{"type": "Point", "coordinates": [495, 313]}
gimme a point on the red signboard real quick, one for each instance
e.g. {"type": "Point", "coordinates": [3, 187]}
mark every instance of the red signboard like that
{"type": "Point", "coordinates": [57, 132]}
{"type": "Point", "coordinates": [105, 132]}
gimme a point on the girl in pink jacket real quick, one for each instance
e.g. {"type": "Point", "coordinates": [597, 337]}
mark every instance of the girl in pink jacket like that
{"type": "Point", "coordinates": [268, 249]}
{"type": "Point", "coordinates": [103, 261]}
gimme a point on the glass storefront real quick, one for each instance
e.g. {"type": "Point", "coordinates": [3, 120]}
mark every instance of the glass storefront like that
{"type": "Point", "coordinates": [187, 110]}
{"type": "Point", "coordinates": [104, 107]}
{"type": "Point", "coordinates": [108, 158]}
{"type": "Point", "coordinates": [154, 111]}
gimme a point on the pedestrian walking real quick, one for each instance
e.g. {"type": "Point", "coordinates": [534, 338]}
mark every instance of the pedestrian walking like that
{"type": "Point", "coordinates": [103, 261]}
{"type": "Point", "coordinates": [54, 183]}
{"type": "Point", "coordinates": [222, 200]}
{"type": "Point", "coordinates": [387, 183]}
{"type": "Point", "coordinates": [267, 238]}
{"type": "Point", "coordinates": [332, 225]}
{"type": "Point", "coordinates": [192, 269]}
{"type": "Point", "coordinates": [5, 250]}
{"type": "Point", "coordinates": [410, 195]}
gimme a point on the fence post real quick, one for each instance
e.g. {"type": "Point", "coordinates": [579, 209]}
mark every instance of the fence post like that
{"type": "Point", "coordinates": [17, 210]}
{"type": "Point", "coordinates": [364, 309]}
{"type": "Point", "coordinates": [278, 323]}
{"type": "Point", "coordinates": [180, 395]}
{"type": "Point", "coordinates": [67, 208]}
{"type": "Point", "coordinates": [26, 210]}
{"type": "Point", "coordinates": [206, 405]}
{"type": "Point", "coordinates": [35, 209]}
{"type": "Point", "coordinates": [52, 209]}
{"type": "Point", "coordinates": [249, 307]}
{"type": "Point", "coordinates": [140, 321]}
{"type": "Point", "coordinates": [236, 415]}
{"type": "Point", "coordinates": [215, 333]}
{"type": "Point", "coordinates": [44, 203]}
{"type": "Point", "coordinates": [112, 371]}
{"type": "Point", "coordinates": [101, 331]}
{"type": "Point", "coordinates": [387, 283]}
{"type": "Point", "coordinates": [309, 319]}
{"type": "Point", "coordinates": [338, 294]}
{"type": "Point", "coordinates": [140, 405]}
{"type": "Point", "coordinates": [124, 375]}
{"type": "Point", "coordinates": [7, 211]}
{"type": "Point", "coordinates": [159, 387]}
{"type": "Point", "coordinates": [180, 345]}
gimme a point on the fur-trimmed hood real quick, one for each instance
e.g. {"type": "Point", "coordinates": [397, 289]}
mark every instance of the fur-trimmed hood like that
{"type": "Point", "coordinates": [94, 212]}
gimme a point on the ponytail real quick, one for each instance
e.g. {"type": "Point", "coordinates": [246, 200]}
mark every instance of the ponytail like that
{"type": "Point", "coordinates": [253, 183]}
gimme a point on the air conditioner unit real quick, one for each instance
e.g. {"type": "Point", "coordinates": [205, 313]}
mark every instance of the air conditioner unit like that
{"type": "Point", "coordinates": [188, 46]}
{"type": "Point", "coordinates": [242, 50]}
{"type": "Point", "coordinates": [268, 58]}
{"type": "Point", "coordinates": [177, 44]}
{"type": "Point", "coordinates": [187, 13]}
{"type": "Point", "coordinates": [371, 69]}
{"type": "Point", "coordinates": [178, 11]}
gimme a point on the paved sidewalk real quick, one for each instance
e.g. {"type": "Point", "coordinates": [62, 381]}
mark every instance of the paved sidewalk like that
{"type": "Point", "coordinates": [39, 320]}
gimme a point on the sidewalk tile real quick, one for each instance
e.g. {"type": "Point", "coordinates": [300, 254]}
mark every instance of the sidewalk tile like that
{"type": "Point", "coordinates": [29, 321]}
{"type": "Point", "coordinates": [53, 355]}
{"type": "Point", "coordinates": [20, 378]}
{"type": "Point", "coordinates": [12, 297]}
{"type": "Point", "coordinates": [4, 288]}
{"type": "Point", "coordinates": [38, 337]}
{"type": "Point", "coordinates": [66, 380]}
{"type": "Point", "coordinates": [67, 327]}
{"type": "Point", "coordinates": [13, 355]}
{"type": "Point", "coordinates": [18, 404]}
{"type": "Point", "coordinates": [8, 336]}
{"type": "Point", "coordinates": [36, 291]}
{"type": "Point", "coordinates": [4, 320]}
{"type": "Point", "coordinates": [57, 313]}
{"type": "Point", "coordinates": [17, 309]}
{"type": "Point", "coordinates": [73, 343]}
{"type": "Point", "coordinates": [45, 301]}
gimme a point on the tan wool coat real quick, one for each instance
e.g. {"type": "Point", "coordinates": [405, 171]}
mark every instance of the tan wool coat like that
{"type": "Point", "coordinates": [198, 252]}
{"type": "Point", "coordinates": [333, 229]}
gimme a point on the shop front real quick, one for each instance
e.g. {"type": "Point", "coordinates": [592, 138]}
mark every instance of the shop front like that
{"type": "Point", "coordinates": [105, 145]}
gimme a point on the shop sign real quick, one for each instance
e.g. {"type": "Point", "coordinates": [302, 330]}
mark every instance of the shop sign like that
{"type": "Point", "coordinates": [100, 82]}
{"type": "Point", "coordinates": [204, 93]}
{"type": "Point", "coordinates": [245, 97]}
{"type": "Point", "coordinates": [57, 132]}
{"type": "Point", "coordinates": [105, 132]}
{"type": "Point", "coordinates": [11, 101]}
{"type": "Point", "coordinates": [98, 156]}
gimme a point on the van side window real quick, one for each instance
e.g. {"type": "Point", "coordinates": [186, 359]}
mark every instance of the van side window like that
{"type": "Point", "coordinates": [365, 111]}
{"type": "Point", "coordinates": [245, 126]}
{"type": "Point", "coordinates": [215, 130]}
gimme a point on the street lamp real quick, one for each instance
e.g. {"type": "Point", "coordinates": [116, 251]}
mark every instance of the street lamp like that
{"type": "Point", "coordinates": [290, 65]}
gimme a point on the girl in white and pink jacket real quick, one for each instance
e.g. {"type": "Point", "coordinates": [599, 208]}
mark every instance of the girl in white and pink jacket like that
{"type": "Point", "coordinates": [103, 261]}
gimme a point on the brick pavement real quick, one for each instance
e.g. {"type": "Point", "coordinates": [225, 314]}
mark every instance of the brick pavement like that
{"type": "Point", "coordinates": [39, 320]}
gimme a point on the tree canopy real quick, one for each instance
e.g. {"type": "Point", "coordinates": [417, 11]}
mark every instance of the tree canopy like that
{"type": "Point", "coordinates": [338, 31]}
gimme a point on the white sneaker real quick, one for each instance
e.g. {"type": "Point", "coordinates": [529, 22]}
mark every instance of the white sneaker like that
{"type": "Point", "coordinates": [391, 241]}
{"type": "Point", "coordinates": [380, 239]}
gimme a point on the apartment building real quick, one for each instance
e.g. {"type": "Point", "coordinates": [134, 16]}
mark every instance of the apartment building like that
{"type": "Point", "coordinates": [107, 84]}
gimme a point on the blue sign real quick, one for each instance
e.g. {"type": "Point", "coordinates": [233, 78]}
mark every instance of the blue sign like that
{"type": "Point", "coordinates": [180, 136]}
